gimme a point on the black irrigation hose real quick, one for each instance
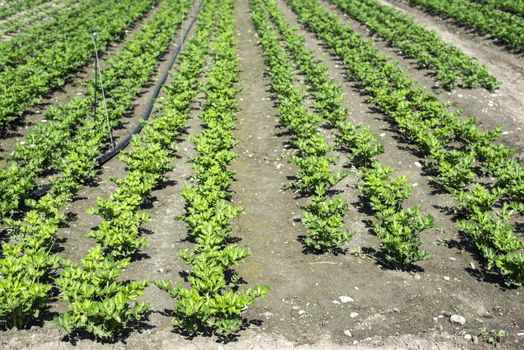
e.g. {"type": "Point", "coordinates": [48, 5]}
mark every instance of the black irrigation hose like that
{"type": "Point", "coordinates": [104, 158]}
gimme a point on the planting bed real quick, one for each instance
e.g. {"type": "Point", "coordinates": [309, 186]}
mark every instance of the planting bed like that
{"type": "Point", "coordinates": [286, 192]}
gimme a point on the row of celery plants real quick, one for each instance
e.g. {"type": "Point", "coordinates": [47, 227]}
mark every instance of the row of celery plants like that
{"type": "Point", "coordinates": [398, 229]}
{"type": "Point", "coordinates": [456, 150]}
{"type": "Point", "coordinates": [324, 216]}
{"type": "Point", "coordinates": [99, 301]}
{"type": "Point", "coordinates": [45, 11]}
{"type": "Point", "coordinates": [124, 76]}
{"type": "Point", "coordinates": [515, 7]}
{"type": "Point", "coordinates": [210, 302]}
{"type": "Point", "coordinates": [450, 65]}
{"type": "Point", "coordinates": [28, 261]}
{"type": "Point", "coordinates": [485, 19]}
{"type": "Point", "coordinates": [47, 69]}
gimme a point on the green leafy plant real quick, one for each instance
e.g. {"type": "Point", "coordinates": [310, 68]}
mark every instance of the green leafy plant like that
{"type": "Point", "coordinates": [385, 195]}
{"type": "Point", "coordinates": [24, 291]}
{"type": "Point", "coordinates": [98, 303]}
{"type": "Point", "coordinates": [484, 19]}
{"type": "Point", "coordinates": [324, 219]}
{"type": "Point", "coordinates": [400, 236]}
{"type": "Point", "coordinates": [492, 337]}
{"type": "Point", "coordinates": [207, 313]}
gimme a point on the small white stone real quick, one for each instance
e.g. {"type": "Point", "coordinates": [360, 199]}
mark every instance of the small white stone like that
{"type": "Point", "coordinates": [345, 299]}
{"type": "Point", "coordinates": [295, 307]}
{"type": "Point", "coordinates": [382, 134]}
{"type": "Point", "coordinates": [446, 278]}
{"type": "Point", "coordinates": [348, 333]}
{"type": "Point", "coordinates": [301, 312]}
{"type": "Point", "coordinates": [467, 337]}
{"type": "Point", "coordinates": [472, 264]}
{"type": "Point", "coordinates": [520, 334]}
{"type": "Point", "coordinates": [452, 259]}
{"type": "Point", "coordinates": [417, 276]}
{"type": "Point", "coordinates": [459, 95]}
{"type": "Point", "coordinates": [353, 314]}
{"type": "Point", "coordinates": [505, 133]}
{"type": "Point", "coordinates": [418, 165]}
{"type": "Point", "coordinates": [457, 319]}
{"type": "Point", "coordinates": [336, 302]}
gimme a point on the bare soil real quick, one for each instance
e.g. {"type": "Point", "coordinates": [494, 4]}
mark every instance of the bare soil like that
{"type": "Point", "coordinates": [391, 309]}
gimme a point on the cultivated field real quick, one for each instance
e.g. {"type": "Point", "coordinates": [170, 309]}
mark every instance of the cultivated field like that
{"type": "Point", "coordinates": [262, 174]}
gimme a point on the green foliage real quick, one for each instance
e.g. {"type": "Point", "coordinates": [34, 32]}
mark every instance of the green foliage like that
{"type": "Point", "coordinates": [362, 145]}
{"type": "Point", "coordinates": [24, 291]}
{"type": "Point", "coordinates": [454, 169]}
{"type": "Point", "coordinates": [484, 19]}
{"type": "Point", "coordinates": [385, 195]}
{"type": "Point", "coordinates": [458, 152]}
{"type": "Point", "coordinates": [400, 235]}
{"type": "Point", "coordinates": [511, 6]}
{"type": "Point", "coordinates": [217, 312]}
{"type": "Point", "coordinates": [450, 65]}
{"type": "Point", "coordinates": [98, 303]}
{"type": "Point", "coordinates": [33, 67]}
{"type": "Point", "coordinates": [492, 337]}
{"type": "Point", "coordinates": [497, 241]}
{"type": "Point", "coordinates": [324, 219]}
{"type": "Point", "coordinates": [69, 136]}
{"type": "Point", "coordinates": [315, 172]}
{"type": "Point", "coordinates": [120, 237]}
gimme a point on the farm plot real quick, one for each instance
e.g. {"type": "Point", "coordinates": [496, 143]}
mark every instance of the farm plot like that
{"type": "Point", "coordinates": [37, 14]}
{"type": "Point", "coordinates": [311, 175]}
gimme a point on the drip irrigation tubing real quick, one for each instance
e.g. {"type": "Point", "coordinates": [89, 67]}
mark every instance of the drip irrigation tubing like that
{"type": "Point", "coordinates": [104, 158]}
